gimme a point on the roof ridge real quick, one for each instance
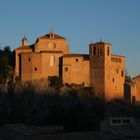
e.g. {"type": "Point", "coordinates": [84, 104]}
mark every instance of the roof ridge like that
{"type": "Point", "coordinates": [55, 36]}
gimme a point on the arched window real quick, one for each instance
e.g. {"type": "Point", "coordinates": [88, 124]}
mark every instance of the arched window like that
{"type": "Point", "coordinates": [108, 51]}
{"type": "Point", "coordinates": [94, 51]}
{"type": "Point", "coordinates": [100, 51]}
{"type": "Point", "coordinates": [52, 60]}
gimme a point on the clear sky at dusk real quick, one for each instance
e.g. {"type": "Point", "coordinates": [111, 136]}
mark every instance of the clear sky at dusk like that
{"type": "Point", "coordinates": [80, 21]}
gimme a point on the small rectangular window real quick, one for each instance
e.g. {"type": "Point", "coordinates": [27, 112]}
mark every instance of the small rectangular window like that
{"type": "Point", "coordinates": [66, 69]}
{"type": "Point", "coordinates": [35, 68]}
{"type": "Point", "coordinates": [29, 59]}
{"type": "Point", "coordinates": [76, 60]}
{"type": "Point", "coordinates": [122, 73]}
{"type": "Point", "coordinates": [126, 121]}
{"type": "Point", "coordinates": [116, 121]}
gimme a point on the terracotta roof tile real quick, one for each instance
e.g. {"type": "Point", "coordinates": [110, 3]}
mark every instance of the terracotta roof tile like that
{"type": "Point", "coordinates": [85, 56]}
{"type": "Point", "coordinates": [100, 43]}
{"type": "Point", "coordinates": [23, 48]}
{"type": "Point", "coordinates": [76, 55]}
{"type": "Point", "coordinates": [51, 51]}
{"type": "Point", "coordinates": [54, 37]}
{"type": "Point", "coordinates": [137, 77]}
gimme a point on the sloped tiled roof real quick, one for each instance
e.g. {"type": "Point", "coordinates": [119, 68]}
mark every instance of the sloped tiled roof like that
{"type": "Point", "coordinates": [116, 55]}
{"type": "Point", "coordinates": [85, 56]}
{"type": "Point", "coordinates": [137, 77]}
{"type": "Point", "coordinates": [76, 55]}
{"type": "Point", "coordinates": [48, 36]}
{"type": "Point", "coordinates": [23, 48]}
{"type": "Point", "coordinates": [101, 43]}
{"type": "Point", "coordinates": [51, 51]}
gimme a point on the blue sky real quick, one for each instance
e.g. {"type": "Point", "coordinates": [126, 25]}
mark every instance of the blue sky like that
{"type": "Point", "coordinates": [80, 21]}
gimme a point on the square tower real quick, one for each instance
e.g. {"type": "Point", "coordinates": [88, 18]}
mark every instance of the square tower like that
{"type": "Point", "coordinates": [106, 77]}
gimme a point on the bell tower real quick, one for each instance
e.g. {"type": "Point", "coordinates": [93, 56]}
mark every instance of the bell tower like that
{"type": "Point", "coordinates": [24, 41]}
{"type": "Point", "coordinates": [100, 64]}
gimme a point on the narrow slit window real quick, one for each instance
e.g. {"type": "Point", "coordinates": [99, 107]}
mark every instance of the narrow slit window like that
{"type": "Point", "coordinates": [113, 80]}
{"type": "Point", "coordinates": [122, 73]}
{"type": "Point", "coordinates": [94, 50]}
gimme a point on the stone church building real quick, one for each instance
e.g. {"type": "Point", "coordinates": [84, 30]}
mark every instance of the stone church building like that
{"type": "Point", "coordinates": [50, 56]}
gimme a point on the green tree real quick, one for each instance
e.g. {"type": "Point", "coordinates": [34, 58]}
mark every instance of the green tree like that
{"type": "Point", "coordinates": [4, 60]}
{"type": "Point", "coordinates": [7, 49]}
